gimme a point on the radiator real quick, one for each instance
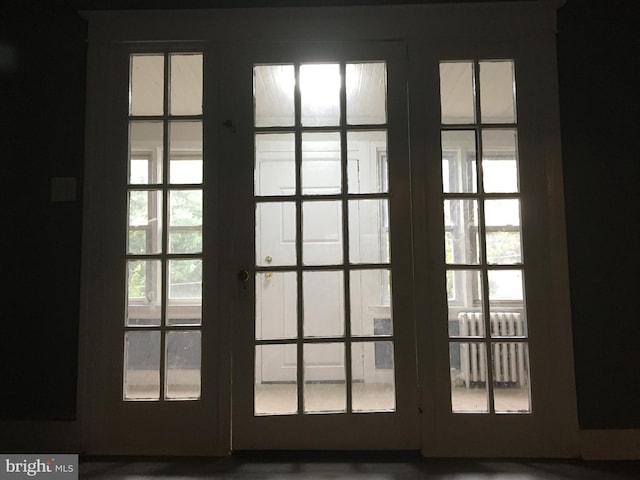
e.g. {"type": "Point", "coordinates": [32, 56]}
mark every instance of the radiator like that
{"type": "Point", "coordinates": [508, 357]}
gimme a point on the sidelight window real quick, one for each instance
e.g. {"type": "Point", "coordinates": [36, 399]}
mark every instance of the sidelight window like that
{"type": "Point", "coordinates": [163, 320]}
{"type": "Point", "coordinates": [487, 320]}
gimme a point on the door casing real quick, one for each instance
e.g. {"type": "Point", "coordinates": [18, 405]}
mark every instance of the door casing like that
{"type": "Point", "coordinates": [523, 31]}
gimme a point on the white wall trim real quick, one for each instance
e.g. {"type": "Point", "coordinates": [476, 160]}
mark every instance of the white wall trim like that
{"type": "Point", "coordinates": [610, 444]}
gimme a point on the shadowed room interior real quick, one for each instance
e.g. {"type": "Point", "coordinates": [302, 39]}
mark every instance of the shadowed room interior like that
{"type": "Point", "coordinates": [45, 68]}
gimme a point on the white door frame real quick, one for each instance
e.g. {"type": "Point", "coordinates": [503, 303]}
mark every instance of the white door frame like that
{"type": "Point", "coordinates": [524, 31]}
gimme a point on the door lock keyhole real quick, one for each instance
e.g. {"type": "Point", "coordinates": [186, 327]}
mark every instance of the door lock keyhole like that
{"type": "Point", "coordinates": [243, 276]}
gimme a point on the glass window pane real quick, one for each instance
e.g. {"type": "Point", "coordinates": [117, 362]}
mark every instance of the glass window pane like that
{"type": "Point", "coordinates": [186, 84]}
{"type": "Point", "coordinates": [144, 300]}
{"type": "Point", "coordinates": [502, 218]}
{"type": "Point", "coordinates": [323, 300]}
{"type": "Point", "coordinates": [370, 292]}
{"type": "Point", "coordinates": [322, 232]}
{"type": "Point", "coordinates": [183, 359]}
{"type": "Point", "coordinates": [469, 325]}
{"type": "Point", "coordinates": [321, 165]}
{"type": "Point", "coordinates": [275, 167]}
{"type": "Point", "coordinates": [146, 89]}
{"type": "Point", "coordinates": [504, 212]}
{"type": "Point", "coordinates": [184, 303]}
{"type": "Point", "coordinates": [186, 169]}
{"type": "Point", "coordinates": [185, 152]}
{"type": "Point", "coordinates": [505, 323]}
{"type": "Point", "coordinates": [461, 225]}
{"type": "Point", "coordinates": [145, 152]}
{"type": "Point", "coordinates": [459, 161]}
{"type": "Point", "coordinates": [275, 234]}
{"type": "Point", "coordinates": [276, 305]}
{"type": "Point", "coordinates": [320, 94]}
{"type": "Point", "coordinates": [464, 298]}
{"type": "Point", "coordinates": [372, 381]}
{"type": "Point", "coordinates": [145, 222]}
{"type": "Point", "coordinates": [275, 388]}
{"type": "Point", "coordinates": [499, 161]}
{"type": "Point", "coordinates": [511, 393]}
{"type": "Point", "coordinates": [457, 102]}
{"type": "Point", "coordinates": [468, 364]}
{"type": "Point", "coordinates": [505, 285]}
{"type": "Point", "coordinates": [506, 301]}
{"type": "Point", "coordinates": [503, 247]}
{"type": "Point", "coordinates": [273, 91]}
{"type": "Point", "coordinates": [369, 231]}
{"type": "Point", "coordinates": [142, 365]}
{"type": "Point", "coordinates": [324, 378]}
{"type": "Point", "coordinates": [497, 92]}
{"type": "Point", "coordinates": [185, 221]}
{"type": "Point", "coordinates": [366, 93]}
{"type": "Point", "coordinates": [368, 170]}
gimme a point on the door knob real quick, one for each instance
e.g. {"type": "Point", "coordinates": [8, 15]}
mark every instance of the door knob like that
{"type": "Point", "coordinates": [243, 276]}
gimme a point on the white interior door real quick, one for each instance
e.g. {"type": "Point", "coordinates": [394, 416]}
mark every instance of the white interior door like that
{"type": "Point", "coordinates": [274, 293]}
{"type": "Point", "coordinates": [322, 341]}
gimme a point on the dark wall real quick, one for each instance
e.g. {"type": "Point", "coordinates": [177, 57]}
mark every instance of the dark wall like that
{"type": "Point", "coordinates": [599, 61]}
{"type": "Point", "coordinates": [42, 72]}
{"type": "Point", "coordinates": [42, 68]}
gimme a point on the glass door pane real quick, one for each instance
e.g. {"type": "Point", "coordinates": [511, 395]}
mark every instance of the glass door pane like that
{"type": "Point", "coordinates": [322, 235]}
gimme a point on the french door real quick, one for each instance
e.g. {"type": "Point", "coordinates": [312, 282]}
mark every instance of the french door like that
{"type": "Point", "coordinates": [304, 243]}
{"type": "Point", "coordinates": [322, 354]}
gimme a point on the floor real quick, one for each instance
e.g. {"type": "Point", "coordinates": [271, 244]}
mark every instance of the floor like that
{"type": "Point", "coordinates": [349, 466]}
